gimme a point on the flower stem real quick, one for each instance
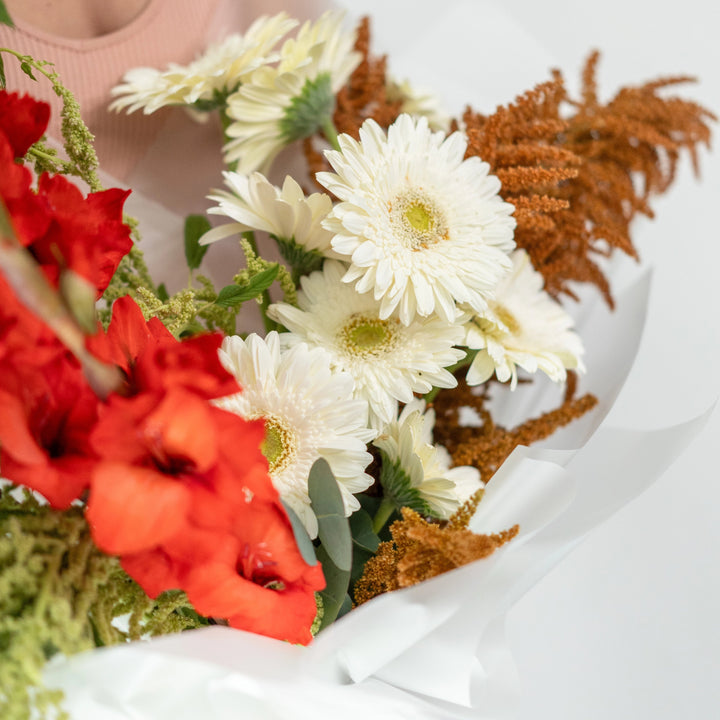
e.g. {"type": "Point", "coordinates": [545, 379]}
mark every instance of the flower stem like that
{"type": "Point", "coordinates": [330, 132]}
{"type": "Point", "coordinates": [386, 509]}
{"type": "Point", "coordinates": [265, 302]}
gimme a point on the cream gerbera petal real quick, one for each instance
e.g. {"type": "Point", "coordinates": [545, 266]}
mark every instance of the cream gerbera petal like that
{"type": "Point", "coordinates": [418, 103]}
{"type": "Point", "coordinates": [421, 227]}
{"type": "Point", "coordinates": [389, 361]}
{"type": "Point", "coordinates": [256, 204]}
{"type": "Point", "coordinates": [408, 444]}
{"type": "Point", "coordinates": [293, 100]}
{"type": "Point", "coordinates": [522, 327]}
{"type": "Point", "coordinates": [219, 70]}
{"type": "Point", "coordinates": [309, 413]}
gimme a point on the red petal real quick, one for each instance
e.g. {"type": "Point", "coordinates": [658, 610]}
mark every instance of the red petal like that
{"type": "Point", "coordinates": [23, 120]}
{"type": "Point", "coordinates": [133, 509]}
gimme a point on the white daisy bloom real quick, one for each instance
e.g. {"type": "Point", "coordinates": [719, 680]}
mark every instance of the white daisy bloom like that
{"type": "Point", "coordinates": [409, 441]}
{"type": "Point", "coordinates": [254, 203]}
{"type": "Point", "coordinates": [219, 70]}
{"type": "Point", "coordinates": [388, 360]}
{"type": "Point", "coordinates": [309, 413]}
{"type": "Point", "coordinates": [281, 104]}
{"type": "Point", "coordinates": [422, 227]}
{"type": "Point", "coordinates": [418, 103]}
{"type": "Point", "coordinates": [522, 327]}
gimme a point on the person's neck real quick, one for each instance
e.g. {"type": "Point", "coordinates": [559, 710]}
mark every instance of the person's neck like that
{"type": "Point", "coordinates": [77, 19]}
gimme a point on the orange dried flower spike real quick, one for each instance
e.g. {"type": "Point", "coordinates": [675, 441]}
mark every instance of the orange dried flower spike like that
{"type": "Point", "coordinates": [420, 550]}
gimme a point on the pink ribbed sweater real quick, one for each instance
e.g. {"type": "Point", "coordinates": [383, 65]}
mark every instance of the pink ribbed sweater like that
{"type": "Point", "coordinates": [164, 155]}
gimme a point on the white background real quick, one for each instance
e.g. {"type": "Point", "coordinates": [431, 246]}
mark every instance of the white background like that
{"type": "Point", "coordinates": [627, 626]}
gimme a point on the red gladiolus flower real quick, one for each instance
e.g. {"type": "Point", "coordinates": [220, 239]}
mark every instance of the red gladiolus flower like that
{"type": "Point", "coordinates": [86, 234]}
{"type": "Point", "coordinates": [46, 414]}
{"type": "Point", "coordinates": [29, 213]}
{"type": "Point", "coordinates": [252, 575]}
{"type": "Point", "coordinates": [182, 491]}
{"type": "Point", "coordinates": [23, 120]}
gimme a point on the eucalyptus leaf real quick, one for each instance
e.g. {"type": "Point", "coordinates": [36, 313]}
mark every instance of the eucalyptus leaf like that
{"type": "Point", "coordinates": [195, 227]}
{"type": "Point", "coordinates": [336, 585]}
{"type": "Point", "coordinates": [362, 532]}
{"type": "Point", "coordinates": [304, 543]}
{"type": "Point", "coordinates": [5, 19]}
{"type": "Point", "coordinates": [365, 543]}
{"type": "Point", "coordinates": [346, 606]}
{"type": "Point", "coordinates": [232, 295]}
{"type": "Point", "coordinates": [327, 504]}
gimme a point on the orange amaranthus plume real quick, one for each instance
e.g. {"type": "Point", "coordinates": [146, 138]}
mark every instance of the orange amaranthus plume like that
{"type": "Point", "coordinates": [420, 550]}
{"type": "Point", "coordinates": [579, 171]}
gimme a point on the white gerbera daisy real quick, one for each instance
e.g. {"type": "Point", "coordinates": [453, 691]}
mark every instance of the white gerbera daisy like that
{"type": "Point", "coordinates": [256, 204]}
{"type": "Point", "coordinates": [293, 100]}
{"type": "Point", "coordinates": [218, 71]}
{"type": "Point", "coordinates": [309, 413]}
{"type": "Point", "coordinates": [422, 468]}
{"type": "Point", "coordinates": [418, 103]}
{"type": "Point", "coordinates": [388, 360]}
{"type": "Point", "coordinates": [423, 228]}
{"type": "Point", "coordinates": [522, 327]}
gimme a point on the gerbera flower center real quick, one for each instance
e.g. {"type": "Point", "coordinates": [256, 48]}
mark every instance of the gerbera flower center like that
{"type": "Point", "coordinates": [504, 316]}
{"type": "Point", "coordinates": [365, 335]}
{"type": "Point", "coordinates": [417, 220]}
{"type": "Point", "coordinates": [279, 445]}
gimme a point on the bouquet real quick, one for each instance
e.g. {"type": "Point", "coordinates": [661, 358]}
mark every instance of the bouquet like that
{"type": "Point", "coordinates": [169, 471]}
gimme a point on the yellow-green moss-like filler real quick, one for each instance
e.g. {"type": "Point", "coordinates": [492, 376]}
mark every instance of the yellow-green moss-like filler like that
{"type": "Point", "coordinates": [60, 594]}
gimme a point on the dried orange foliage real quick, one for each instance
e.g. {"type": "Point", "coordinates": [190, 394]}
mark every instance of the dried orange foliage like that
{"type": "Point", "coordinates": [420, 550]}
{"type": "Point", "coordinates": [486, 447]}
{"type": "Point", "coordinates": [365, 96]}
{"type": "Point", "coordinates": [579, 171]}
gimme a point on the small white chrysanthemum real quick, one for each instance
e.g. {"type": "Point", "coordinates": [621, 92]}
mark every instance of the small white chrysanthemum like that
{"type": "Point", "coordinates": [218, 71]}
{"type": "Point", "coordinates": [256, 204]}
{"type": "Point", "coordinates": [278, 105]}
{"type": "Point", "coordinates": [388, 360]}
{"type": "Point", "coordinates": [418, 103]}
{"type": "Point", "coordinates": [522, 327]}
{"type": "Point", "coordinates": [408, 442]}
{"type": "Point", "coordinates": [309, 413]}
{"type": "Point", "coordinates": [423, 228]}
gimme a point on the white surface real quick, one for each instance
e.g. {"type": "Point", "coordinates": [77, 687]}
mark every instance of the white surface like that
{"type": "Point", "coordinates": [627, 626]}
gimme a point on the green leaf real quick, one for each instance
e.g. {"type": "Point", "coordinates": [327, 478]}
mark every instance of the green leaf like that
{"type": "Point", "coordinates": [232, 295]}
{"type": "Point", "coordinates": [3, 81]}
{"type": "Point", "coordinates": [304, 543]}
{"type": "Point", "coordinates": [346, 606]}
{"type": "Point", "coordinates": [362, 532]}
{"type": "Point", "coordinates": [365, 542]}
{"type": "Point", "coordinates": [162, 292]}
{"type": "Point", "coordinates": [5, 19]}
{"type": "Point", "coordinates": [25, 67]}
{"type": "Point", "coordinates": [398, 487]}
{"type": "Point", "coordinates": [327, 504]}
{"type": "Point", "coordinates": [336, 585]}
{"type": "Point", "coordinates": [195, 227]}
